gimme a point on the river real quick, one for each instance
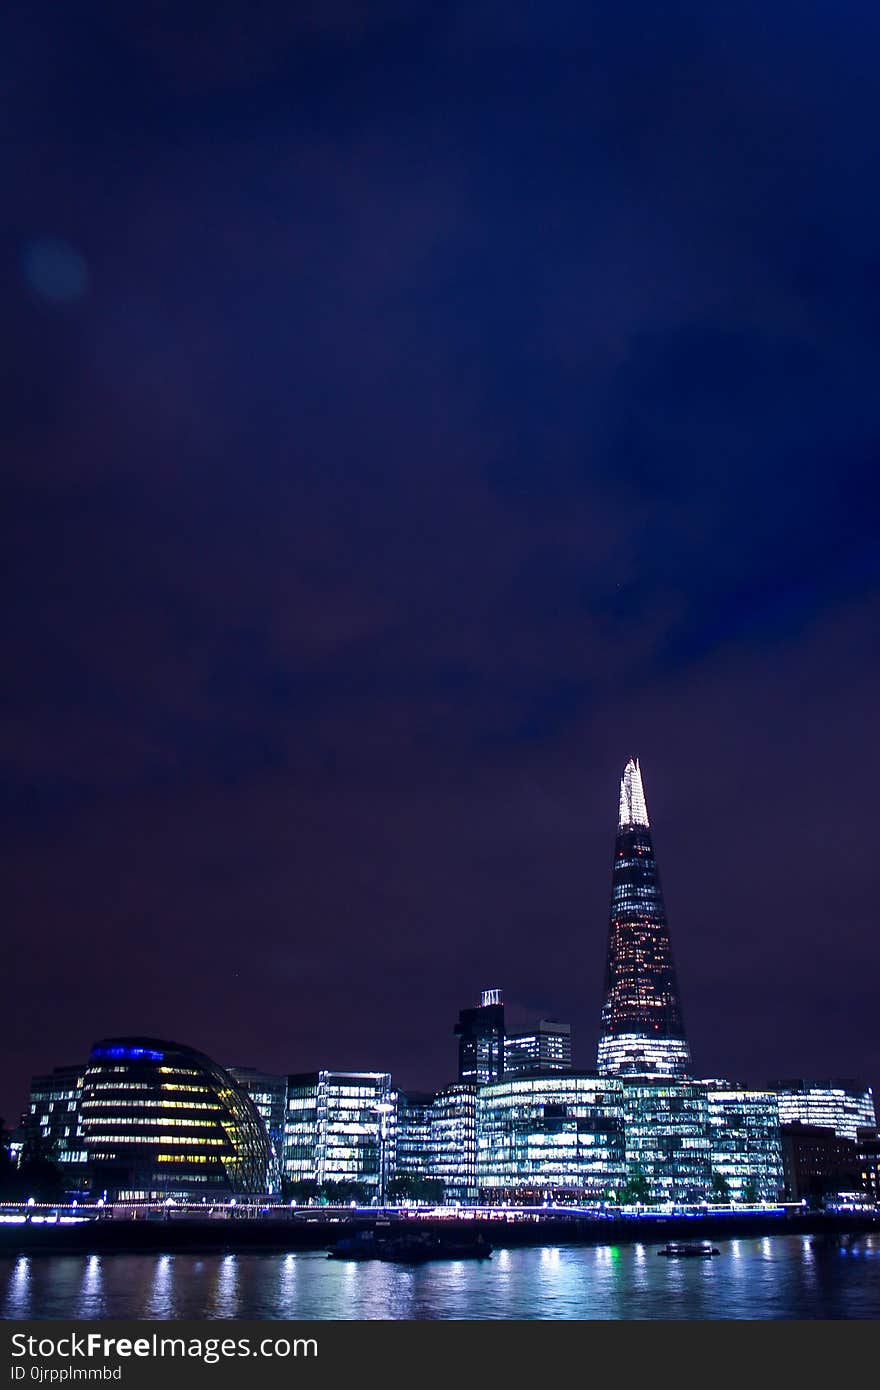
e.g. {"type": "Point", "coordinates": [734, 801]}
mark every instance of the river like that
{"type": "Point", "coordinates": [773, 1277]}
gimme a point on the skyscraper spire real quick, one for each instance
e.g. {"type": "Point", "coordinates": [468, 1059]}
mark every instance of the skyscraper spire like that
{"type": "Point", "coordinates": [633, 810]}
{"type": "Point", "coordinates": [642, 1026]}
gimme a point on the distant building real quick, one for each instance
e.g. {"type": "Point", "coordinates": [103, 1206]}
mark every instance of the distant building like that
{"type": "Point", "coordinates": [454, 1142]}
{"type": "Point", "coordinates": [162, 1120]}
{"type": "Point", "coordinates": [341, 1128]}
{"type": "Point", "coordinates": [545, 1048]}
{"type": "Point", "coordinates": [551, 1138]}
{"type": "Point", "coordinates": [642, 1026]}
{"type": "Point", "coordinates": [480, 1033]}
{"type": "Point", "coordinates": [817, 1162]}
{"type": "Point", "coordinates": [54, 1119]}
{"type": "Point", "coordinates": [843, 1106]}
{"type": "Point", "coordinates": [745, 1144]}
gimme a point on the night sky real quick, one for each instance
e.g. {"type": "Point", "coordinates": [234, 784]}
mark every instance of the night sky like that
{"type": "Point", "coordinates": [411, 411]}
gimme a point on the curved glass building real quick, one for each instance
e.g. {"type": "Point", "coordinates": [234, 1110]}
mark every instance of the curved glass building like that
{"type": "Point", "coordinates": [160, 1120]}
{"type": "Point", "coordinates": [642, 1026]}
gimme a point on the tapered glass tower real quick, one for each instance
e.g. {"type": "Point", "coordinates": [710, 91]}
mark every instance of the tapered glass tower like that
{"type": "Point", "coordinates": [642, 1026]}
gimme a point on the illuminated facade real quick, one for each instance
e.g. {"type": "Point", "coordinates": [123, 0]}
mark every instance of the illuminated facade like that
{"type": "Point", "coordinates": [642, 1029]}
{"type": "Point", "coordinates": [54, 1115]}
{"type": "Point", "coordinates": [746, 1149]}
{"type": "Point", "coordinates": [668, 1145]}
{"type": "Point", "coordinates": [551, 1138]}
{"type": "Point", "coordinates": [160, 1120]}
{"type": "Point", "coordinates": [547, 1047]}
{"type": "Point", "coordinates": [341, 1127]}
{"type": "Point", "coordinates": [454, 1142]}
{"type": "Point", "coordinates": [415, 1143]}
{"type": "Point", "coordinates": [480, 1033]}
{"type": "Point", "coordinates": [842, 1106]}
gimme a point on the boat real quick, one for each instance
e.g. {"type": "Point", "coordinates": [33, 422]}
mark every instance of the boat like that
{"type": "Point", "coordinates": [363, 1245]}
{"type": "Point", "coordinates": [688, 1249]}
{"type": "Point", "coordinates": [409, 1247]}
{"type": "Point", "coordinates": [415, 1247]}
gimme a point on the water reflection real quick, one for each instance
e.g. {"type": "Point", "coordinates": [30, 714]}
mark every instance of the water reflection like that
{"type": "Point", "coordinates": [287, 1280]}
{"type": "Point", "coordinates": [225, 1299]}
{"type": "Point", "coordinates": [781, 1277]}
{"type": "Point", "coordinates": [161, 1299]}
{"type": "Point", "coordinates": [91, 1302]}
{"type": "Point", "coordinates": [19, 1289]}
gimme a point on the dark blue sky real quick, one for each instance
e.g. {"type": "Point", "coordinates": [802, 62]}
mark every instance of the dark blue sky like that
{"type": "Point", "coordinates": [409, 412]}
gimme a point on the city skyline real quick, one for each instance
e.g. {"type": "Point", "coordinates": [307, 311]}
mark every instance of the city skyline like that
{"type": "Point", "coordinates": [409, 414]}
{"type": "Point", "coordinates": [641, 1029]}
{"type": "Point", "coordinates": [147, 1118]}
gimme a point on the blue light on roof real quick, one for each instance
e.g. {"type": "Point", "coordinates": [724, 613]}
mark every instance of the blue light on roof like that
{"type": "Point", "coordinates": [128, 1054]}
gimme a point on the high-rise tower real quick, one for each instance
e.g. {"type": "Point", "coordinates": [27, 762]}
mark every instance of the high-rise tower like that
{"type": "Point", "coordinates": [642, 1026]}
{"type": "Point", "coordinates": [480, 1033]}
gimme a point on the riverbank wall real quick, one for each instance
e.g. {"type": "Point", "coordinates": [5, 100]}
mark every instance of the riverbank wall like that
{"type": "Point", "coordinates": [319, 1230]}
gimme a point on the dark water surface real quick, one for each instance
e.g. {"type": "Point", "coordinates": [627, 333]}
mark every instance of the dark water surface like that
{"type": "Point", "coordinates": [775, 1277]}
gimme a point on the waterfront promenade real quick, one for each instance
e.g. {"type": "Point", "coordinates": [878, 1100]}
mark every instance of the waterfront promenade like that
{"type": "Point", "coordinates": [242, 1228]}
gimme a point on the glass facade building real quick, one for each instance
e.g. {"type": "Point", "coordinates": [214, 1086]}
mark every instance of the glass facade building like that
{"type": "Point", "coordinates": [842, 1106]}
{"type": "Point", "coordinates": [454, 1142]}
{"type": "Point", "coordinates": [551, 1138]}
{"type": "Point", "coordinates": [269, 1095]}
{"type": "Point", "coordinates": [161, 1120]}
{"type": "Point", "coordinates": [746, 1149]}
{"type": "Point", "coordinates": [480, 1033]}
{"type": "Point", "coordinates": [668, 1145]}
{"type": "Point", "coordinates": [54, 1117]}
{"type": "Point", "coordinates": [415, 1141]}
{"type": "Point", "coordinates": [341, 1127]}
{"type": "Point", "coordinates": [546, 1047]}
{"type": "Point", "coordinates": [642, 1031]}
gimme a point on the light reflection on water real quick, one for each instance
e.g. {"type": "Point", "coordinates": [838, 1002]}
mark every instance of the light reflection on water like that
{"type": "Point", "coordinates": [91, 1295]}
{"type": "Point", "coordinates": [786, 1276]}
{"type": "Point", "coordinates": [225, 1299]}
{"type": "Point", "coordinates": [161, 1299]}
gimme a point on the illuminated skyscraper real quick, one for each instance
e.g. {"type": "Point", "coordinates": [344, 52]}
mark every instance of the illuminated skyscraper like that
{"type": "Point", "coordinates": [642, 1027]}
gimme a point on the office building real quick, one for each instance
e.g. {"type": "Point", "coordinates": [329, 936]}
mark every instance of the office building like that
{"type": "Point", "coordinates": [818, 1163]}
{"type": "Point", "coordinates": [746, 1149]}
{"type": "Point", "coordinates": [642, 1030]}
{"type": "Point", "coordinates": [268, 1093]}
{"type": "Point", "coordinates": [454, 1142]}
{"type": "Point", "coordinates": [668, 1145]}
{"type": "Point", "coordinates": [415, 1143]}
{"type": "Point", "coordinates": [551, 1139]}
{"type": "Point", "coordinates": [161, 1120]}
{"type": "Point", "coordinates": [340, 1133]}
{"type": "Point", "coordinates": [545, 1048]}
{"type": "Point", "coordinates": [868, 1157]}
{"type": "Point", "coordinates": [53, 1121]}
{"type": "Point", "coordinates": [842, 1106]}
{"type": "Point", "coordinates": [480, 1033]}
